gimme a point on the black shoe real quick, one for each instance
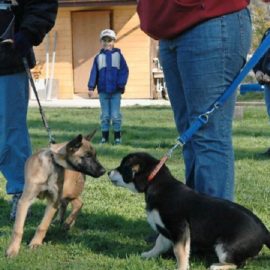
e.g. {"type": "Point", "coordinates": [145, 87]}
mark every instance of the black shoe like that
{"type": "Point", "coordinates": [117, 137]}
{"type": "Point", "coordinates": [103, 140]}
{"type": "Point", "coordinates": [14, 203]}
{"type": "Point", "coordinates": [117, 141]}
{"type": "Point", "coordinates": [105, 137]}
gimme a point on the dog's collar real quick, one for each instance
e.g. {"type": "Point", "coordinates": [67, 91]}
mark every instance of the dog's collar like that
{"type": "Point", "coordinates": [157, 168]}
{"type": "Point", "coordinates": [54, 159]}
{"type": "Point", "coordinates": [162, 162]}
{"type": "Point", "coordinates": [76, 168]}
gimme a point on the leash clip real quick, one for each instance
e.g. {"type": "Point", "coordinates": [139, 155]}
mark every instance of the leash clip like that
{"type": "Point", "coordinates": [170, 152]}
{"type": "Point", "coordinates": [205, 116]}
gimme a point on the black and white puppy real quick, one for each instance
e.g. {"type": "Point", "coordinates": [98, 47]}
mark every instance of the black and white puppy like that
{"type": "Point", "coordinates": [183, 217]}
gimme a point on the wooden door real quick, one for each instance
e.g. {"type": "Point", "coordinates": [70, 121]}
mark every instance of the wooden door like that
{"type": "Point", "coordinates": [86, 27]}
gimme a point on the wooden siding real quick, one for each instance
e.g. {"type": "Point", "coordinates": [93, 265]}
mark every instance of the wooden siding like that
{"type": "Point", "coordinates": [63, 63]}
{"type": "Point", "coordinates": [134, 44]}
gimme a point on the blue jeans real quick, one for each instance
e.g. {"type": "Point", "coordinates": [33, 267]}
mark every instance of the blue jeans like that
{"type": "Point", "coordinates": [110, 111]}
{"type": "Point", "coordinates": [267, 98]}
{"type": "Point", "coordinates": [198, 66]}
{"type": "Point", "coordinates": [15, 145]}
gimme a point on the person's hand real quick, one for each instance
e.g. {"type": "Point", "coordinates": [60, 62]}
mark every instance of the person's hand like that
{"type": "Point", "coordinates": [22, 44]}
{"type": "Point", "coordinates": [90, 93]}
{"type": "Point", "coordinates": [259, 76]}
{"type": "Point", "coordinates": [266, 78]}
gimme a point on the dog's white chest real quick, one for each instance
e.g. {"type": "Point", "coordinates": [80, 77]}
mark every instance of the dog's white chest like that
{"type": "Point", "coordinates": [154, 219]}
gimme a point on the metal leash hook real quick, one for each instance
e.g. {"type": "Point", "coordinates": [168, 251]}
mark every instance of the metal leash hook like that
{"type": "Point", "coordinates": [44, 120]}
{"type": "Point", "coordinates": [205, 116]}
{"type": "Point", "coordinates": [170, 152]}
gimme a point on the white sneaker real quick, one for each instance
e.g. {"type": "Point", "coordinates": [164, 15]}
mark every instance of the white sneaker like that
{"type": "Point", "coordinates": [103, 140]}
{"type": "Point", "coordinates": [117, 141]}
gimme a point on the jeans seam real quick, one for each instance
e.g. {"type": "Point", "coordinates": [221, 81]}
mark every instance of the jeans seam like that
{"type": "Point", "coordinates": [224, 34]}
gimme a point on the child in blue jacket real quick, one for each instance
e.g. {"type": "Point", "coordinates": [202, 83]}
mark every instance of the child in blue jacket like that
{"type": "Point", "coordinates": [109, 74]}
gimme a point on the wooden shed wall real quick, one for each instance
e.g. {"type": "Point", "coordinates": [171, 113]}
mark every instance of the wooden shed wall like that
{"type": "Point", "coordinates": [134, 44]}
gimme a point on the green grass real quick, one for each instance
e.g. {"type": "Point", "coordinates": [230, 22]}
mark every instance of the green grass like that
{"type": "Point", "coordinates": [109, 233]}
{"type": "Point", "coordinates": [251, 96]}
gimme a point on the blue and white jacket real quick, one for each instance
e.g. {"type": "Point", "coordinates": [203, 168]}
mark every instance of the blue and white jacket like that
{"type": "Point", "coordinates": [109, 72]}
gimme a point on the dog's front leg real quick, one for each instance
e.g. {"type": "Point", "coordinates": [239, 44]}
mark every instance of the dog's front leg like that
{"type": "Point", "coordinates": [162, 245]}
{"type": "Point", "coordinates": [61, 211]}
{"type": "Point", "coordinates": [41, 231]}
{"type": "Point", "coordinates": [21, 213]}
{"type": "Point", "coordinates": [182, 249]}
{"type": "Point", "coordinates": [76, 207]}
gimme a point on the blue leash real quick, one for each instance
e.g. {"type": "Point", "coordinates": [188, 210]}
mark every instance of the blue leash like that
{"type": "Point", "coordinates": [203, 118]}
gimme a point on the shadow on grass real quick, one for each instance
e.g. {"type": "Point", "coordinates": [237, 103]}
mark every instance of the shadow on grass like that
{"type": "Point", "coordinates": [111, 235]}
{"type": "Point", "coordinates": [249, 133]}
{"type": "Point", "coordinates": [250, 153]}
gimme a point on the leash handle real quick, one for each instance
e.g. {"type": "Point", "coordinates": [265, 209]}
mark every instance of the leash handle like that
{"type": "Point", "coordinates": [44, 120]}
{"type": "Point", "coordinates": [203, 118]}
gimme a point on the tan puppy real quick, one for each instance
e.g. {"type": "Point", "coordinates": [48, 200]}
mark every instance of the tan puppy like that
{"type": "Point", "coordinates": [44, 178]}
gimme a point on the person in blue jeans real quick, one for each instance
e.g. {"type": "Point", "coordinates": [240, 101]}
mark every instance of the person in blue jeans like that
{"type": "Point", "coordinates": [22, 25]}
{"type": "Point", "coordinates": [262, 73]}
{"type": "Point", "coordinates": [109, 74]}
{"type": "Point", "coordinates": [207, 58]}
{"type": "Point", "coordinates": [202, 48]}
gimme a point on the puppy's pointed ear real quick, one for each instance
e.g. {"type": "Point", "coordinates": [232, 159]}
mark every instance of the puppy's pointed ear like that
{"type": "Point", "coordinates": [74, 144]}
{"type": "Point", "coordinates": [91, 135]}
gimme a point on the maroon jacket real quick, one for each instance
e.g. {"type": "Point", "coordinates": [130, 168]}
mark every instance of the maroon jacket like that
{"type": "Point", "coordinates": [165, 19]}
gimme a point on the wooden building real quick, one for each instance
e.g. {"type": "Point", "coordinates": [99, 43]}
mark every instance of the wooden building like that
{"type": "Point", "coordinates": [75, 38]}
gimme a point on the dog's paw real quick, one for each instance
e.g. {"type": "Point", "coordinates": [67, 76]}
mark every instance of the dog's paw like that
{"type": "Point", "coordinates": [222, 266]}
{"type": "Point", "coordinates": [56, 222]}
{"type": "Point", "coordinates": [12, 251]}
{"type": "Point", "coordinates": [148, 254]}
{"type": "Point", "coordinates": [34, 245]}
{"type": "Point", "coordinates": [66, 227]}
{"type": "Point", "coordinates": [145, 255]}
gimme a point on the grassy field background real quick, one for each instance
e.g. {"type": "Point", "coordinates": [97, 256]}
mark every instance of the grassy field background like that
{"type": "Point", "coordinates": [109, 233]}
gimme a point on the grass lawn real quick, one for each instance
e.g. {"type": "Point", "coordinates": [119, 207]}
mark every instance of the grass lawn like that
{"type": "Point", "coordinates": [109, 233]}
